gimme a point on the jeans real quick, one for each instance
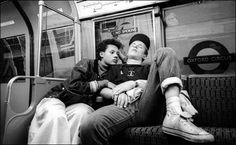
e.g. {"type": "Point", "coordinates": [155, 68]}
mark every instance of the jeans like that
{"type": "Point", "coordinates": [107, 121]}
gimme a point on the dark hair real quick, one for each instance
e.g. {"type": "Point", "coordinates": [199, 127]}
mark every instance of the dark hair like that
{"type": "Point", "coordinates": [102, 46]}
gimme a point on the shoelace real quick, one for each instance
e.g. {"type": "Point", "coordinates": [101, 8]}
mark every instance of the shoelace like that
{"type": "Point", "coordinates": [188, 123]}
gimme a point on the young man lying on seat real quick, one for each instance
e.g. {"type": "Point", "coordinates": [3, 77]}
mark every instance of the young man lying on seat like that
{"type": "Point", "coordinates": [138, 102]}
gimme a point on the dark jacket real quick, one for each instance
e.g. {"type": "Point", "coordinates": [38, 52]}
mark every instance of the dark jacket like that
{"type": "Point", "coordinates": [76, 88]}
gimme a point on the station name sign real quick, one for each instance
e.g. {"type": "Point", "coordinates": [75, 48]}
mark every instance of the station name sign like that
{"type": "Point", "coordinates": [209, 59]}
{"type": "Point", "coordinates": [224, 58]}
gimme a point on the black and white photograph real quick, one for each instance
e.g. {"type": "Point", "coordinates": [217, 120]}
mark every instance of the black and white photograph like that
{"type": "Point", "coordinates": [118, 72]}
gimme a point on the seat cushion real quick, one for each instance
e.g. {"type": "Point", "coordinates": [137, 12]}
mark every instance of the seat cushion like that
{"type": "Point", "coordinates": [153, 135]}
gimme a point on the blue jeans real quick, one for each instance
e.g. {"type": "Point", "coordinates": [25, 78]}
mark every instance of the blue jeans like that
{"type": "Point", "coordinates": [107, 121]}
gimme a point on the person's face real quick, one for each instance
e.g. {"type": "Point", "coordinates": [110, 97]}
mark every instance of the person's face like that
{"type": "Point", "coordinates": [137, 50]}
{"type": "Point", "coordinates": [110, 56]}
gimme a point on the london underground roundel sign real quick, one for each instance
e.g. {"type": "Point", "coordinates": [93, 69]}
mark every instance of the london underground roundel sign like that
{"type": "Point", "coordinates": [223, 57]}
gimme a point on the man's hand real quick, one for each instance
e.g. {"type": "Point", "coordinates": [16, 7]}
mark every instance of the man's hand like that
{"type": "Point", "coordinates": [123, 87]}
{"type": "Point", "coordinates": [121, 100]}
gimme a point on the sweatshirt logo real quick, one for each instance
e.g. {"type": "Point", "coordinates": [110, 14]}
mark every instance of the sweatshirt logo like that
{"type": "Point", "coordinates": [131, 73]}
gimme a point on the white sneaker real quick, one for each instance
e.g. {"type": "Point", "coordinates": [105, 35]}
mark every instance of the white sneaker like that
{"type": "Point", "coordinates": [175, 124]}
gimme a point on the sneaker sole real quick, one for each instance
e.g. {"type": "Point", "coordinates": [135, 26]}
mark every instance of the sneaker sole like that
{"type": "Point", "coordinates": [187, 136]}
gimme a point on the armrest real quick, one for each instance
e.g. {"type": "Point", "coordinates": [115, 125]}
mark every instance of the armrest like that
{"type": "Point", "coordinates": [38, 80]}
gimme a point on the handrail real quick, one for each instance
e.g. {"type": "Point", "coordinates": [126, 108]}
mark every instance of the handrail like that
{"type": "Point", "coordinates": [9, 85]}
{"type": "Point", "coordinates": [8, 98]}
{"type": "Point", "coordinates": [39, 34]}
{"type": "Point", "coordinates": [53, 79]}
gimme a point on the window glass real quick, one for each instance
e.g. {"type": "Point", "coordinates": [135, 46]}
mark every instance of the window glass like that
{"type": "Point", "coordinates": [58, 46]}
{"type": "Point", "coordinates": [123, 28]}
{"type": "Point", "coordinates": [12, 57]}
{"type": "Point", "coordinates": [207, 29]}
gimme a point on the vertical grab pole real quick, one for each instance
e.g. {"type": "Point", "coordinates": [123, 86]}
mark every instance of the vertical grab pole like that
{"type": "Point", "coordinates": [77, 39]}
{"type": "Point", "coordinates": [41, 3]}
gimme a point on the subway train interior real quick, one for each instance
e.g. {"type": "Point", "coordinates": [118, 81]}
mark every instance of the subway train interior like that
{"type": "Point", "coordinates": [42, 40]}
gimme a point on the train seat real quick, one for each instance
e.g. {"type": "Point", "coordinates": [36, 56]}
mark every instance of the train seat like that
{"type": "Point", "coordinates": [212, 95]}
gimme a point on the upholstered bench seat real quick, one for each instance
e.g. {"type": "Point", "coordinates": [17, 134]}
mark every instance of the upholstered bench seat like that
{"type": "Point", "coordinates": [214, 98]}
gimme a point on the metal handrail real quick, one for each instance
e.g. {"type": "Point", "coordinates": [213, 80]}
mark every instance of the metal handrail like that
{"type": "Point", "coordinates": [40, 34]}
{"type": "Point", "coordinates": [8, 98]}
{"type": "Point", "coordinates": [9, 85]}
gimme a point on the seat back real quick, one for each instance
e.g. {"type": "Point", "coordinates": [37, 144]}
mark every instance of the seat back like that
{"type": "Point", "coordinates": [17, 124]}
{"type": "Point", "coordinates": [214, 97]}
